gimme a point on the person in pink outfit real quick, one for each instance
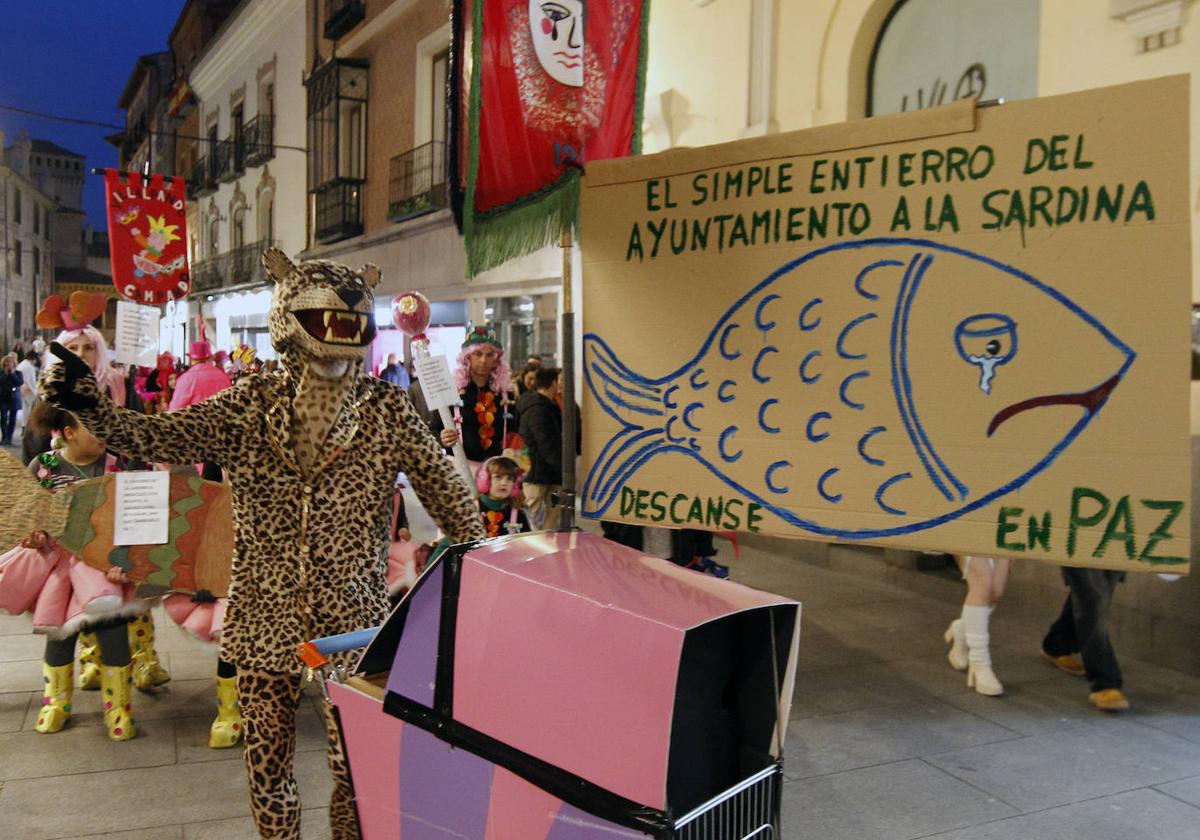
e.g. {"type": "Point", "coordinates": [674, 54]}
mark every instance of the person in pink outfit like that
{"type": "Point", "coordinates": [201, 380]}
{"type": "Point", "coordinates": [64, 595]}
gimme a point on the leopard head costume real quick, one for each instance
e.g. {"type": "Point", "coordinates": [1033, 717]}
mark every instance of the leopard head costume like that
{"type": "Point", "coordinates": [321, 310]}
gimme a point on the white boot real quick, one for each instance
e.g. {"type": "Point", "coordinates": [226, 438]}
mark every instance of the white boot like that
{"type": "Point", "coordinates": [979, 659]}
{"type": "Point", "coordinates": [956, 638]}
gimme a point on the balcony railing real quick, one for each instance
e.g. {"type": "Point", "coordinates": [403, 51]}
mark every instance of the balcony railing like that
{"type": "Point", "coordinates": [339, 210]}
{"type": "Point", "coordinates": [258, 137]}
{"type": "Point", "coordinates": [239, 267]}
{"type": "Point", "coordinates": [417, 181]}
{"type": "Point", "coordinates": [202, 183]}
{"type": "Point", "coordinates": [227, 160]}
{"type": "Point", "coordinates": [342, 15]}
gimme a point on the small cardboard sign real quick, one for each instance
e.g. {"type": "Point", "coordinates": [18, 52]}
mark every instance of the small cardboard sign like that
{"type": "Point", "coordinates": [957, 330]}
{"type": "Point", "coordinates": [437, 385]}
{"type": "Point", "coordinates": [137, 332]}
{"type": "Point", "coordinates": [142, 508]}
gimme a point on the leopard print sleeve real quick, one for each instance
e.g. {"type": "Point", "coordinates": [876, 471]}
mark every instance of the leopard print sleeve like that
{"type": "Point", "coordinates": [436, 482]}
{"type": "Point", "coordinates": [202, 432]}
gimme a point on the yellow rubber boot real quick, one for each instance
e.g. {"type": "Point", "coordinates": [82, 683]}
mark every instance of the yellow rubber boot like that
{"type": "Point", "coordinates": [226, 729]}
{"type": "Point", "coordinates": [89, 662]}
{"type": "Point", "coordinates": [56, 697]}
{"type": "Point", "coordinates": [118, 710]}
{"type": "Point", "coordinates": [147, 672]}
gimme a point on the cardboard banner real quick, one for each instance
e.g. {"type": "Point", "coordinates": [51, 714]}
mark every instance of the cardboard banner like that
{"type": "Point", "coordinates": [547, 96]}
{"type": "Point", "coordinates": [147, 234]}
{"type": "Point", "coordinates": [956, 330]}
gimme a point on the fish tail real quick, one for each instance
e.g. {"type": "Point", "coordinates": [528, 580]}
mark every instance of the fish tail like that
{"type": "Point", "coordinates": [638, 405]}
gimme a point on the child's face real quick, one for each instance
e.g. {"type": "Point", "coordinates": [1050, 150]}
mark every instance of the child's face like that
{"type": "Point", "coordinates": [83, 443]}
{"type": "Point", "coordinates": [501, 487]}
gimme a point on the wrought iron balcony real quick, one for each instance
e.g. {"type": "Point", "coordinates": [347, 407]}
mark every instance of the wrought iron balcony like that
{"type": "Point", "coordinates": [202, 182]}
{"type": "Point", "coordinates": [339, 210]}
{"type": "Point", "coordinates": [417, 181]}
{"type": "Point", "coordinates": [342, 15]}
{"type": "Point", "coordinates": [239, 267]}
{"type": "Point", "coordinates": [227, 160]}
{"type": "Point", "coordinates": [258, 137]}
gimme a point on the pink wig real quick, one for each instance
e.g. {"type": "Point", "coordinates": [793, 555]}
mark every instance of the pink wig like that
{"type": "Point", "coordinates": [501, 377]}
{"type": "Point", "coordinates": [110, 378]}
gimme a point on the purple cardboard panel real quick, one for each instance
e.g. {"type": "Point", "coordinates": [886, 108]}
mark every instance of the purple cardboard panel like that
{"type": "Point", "coordinates": [444, 792]}
{"type": "Point", "coordinates": [414, 668]}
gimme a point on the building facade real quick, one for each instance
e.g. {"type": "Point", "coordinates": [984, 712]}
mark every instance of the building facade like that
{"type": "Point", "coordinates": [248, 169]}
{"type": "Point", "coordinates": [26, 244]}
{"type": "Point", "coordinates": [377, 110]}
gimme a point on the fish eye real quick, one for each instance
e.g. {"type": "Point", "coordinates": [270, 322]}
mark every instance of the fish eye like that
{"type": "Point", "coordinates": [986, 341]}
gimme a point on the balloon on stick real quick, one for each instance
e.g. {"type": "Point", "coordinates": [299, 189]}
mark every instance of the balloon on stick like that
{"type": "Point", "coordinates": [411, 314]}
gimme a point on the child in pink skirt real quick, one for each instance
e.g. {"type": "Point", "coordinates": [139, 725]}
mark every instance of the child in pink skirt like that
{"type": "Point", "coordinates": [65, 595]}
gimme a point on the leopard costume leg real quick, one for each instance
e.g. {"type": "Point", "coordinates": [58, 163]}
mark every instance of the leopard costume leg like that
{"type": "Point", "coordinates": [343, 821]}
{"type": "Point", "coordinates": [269, 702]}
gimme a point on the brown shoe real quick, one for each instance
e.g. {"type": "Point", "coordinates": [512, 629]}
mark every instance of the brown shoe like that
{"type": "Point", "coordinates": [1109, 700]}
{"type": "Point", "coordinates": [1069, 662]}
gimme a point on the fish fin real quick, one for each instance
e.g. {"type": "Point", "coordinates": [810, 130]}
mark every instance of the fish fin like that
{"type": "Point", "coordinates": [25, 505]}
{"type": "Point", "coordinates": [638, 405]}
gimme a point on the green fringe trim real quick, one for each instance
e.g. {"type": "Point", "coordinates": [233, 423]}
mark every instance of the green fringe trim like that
{"type": "Point", "coordinates": [540, 218]}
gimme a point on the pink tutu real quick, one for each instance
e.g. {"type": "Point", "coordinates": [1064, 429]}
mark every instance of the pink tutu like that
{"type": "Point", "coordinates": [63, 593]}
{"type": "Point", "coordinates": [204, 621]}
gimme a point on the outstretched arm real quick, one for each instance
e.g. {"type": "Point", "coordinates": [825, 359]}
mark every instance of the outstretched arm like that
{"type": "Point", "coordinates": [436, 482]}
{"type": "Point", "coordinates": [202, 432]}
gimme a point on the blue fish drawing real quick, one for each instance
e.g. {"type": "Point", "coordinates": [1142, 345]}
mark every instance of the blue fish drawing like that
{"type": "Point", "coordinates": [866, 389]}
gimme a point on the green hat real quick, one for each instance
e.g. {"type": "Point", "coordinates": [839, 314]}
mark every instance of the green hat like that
{"type": "Point", "coordinates": [481, 335]}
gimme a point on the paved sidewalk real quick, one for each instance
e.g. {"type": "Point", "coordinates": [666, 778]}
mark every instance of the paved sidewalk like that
{"type": "Point", "coordinates": [886, 742]}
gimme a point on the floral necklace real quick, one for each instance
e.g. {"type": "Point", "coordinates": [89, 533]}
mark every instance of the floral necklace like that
{"type": "Point", "coordinates": [485, 413]}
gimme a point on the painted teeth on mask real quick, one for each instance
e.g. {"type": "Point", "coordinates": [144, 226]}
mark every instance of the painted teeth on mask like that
{"type": "Point", "coordinates": [328, 315]}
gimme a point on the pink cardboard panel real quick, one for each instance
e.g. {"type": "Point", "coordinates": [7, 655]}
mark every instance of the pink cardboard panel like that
{"type": "Point", "coordinates": [373, 744]}
{"type": "Point", "coordinates": [519, 809]}
{"type": "Point", "coordinates": [589, 567]}
{"type": "Point", "coordinates": [572, 680]}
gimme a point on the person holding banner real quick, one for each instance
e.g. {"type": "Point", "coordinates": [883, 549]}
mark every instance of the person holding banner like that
{"type": "Point", "coordinates": [84, 340]}
{"type": "Point", "coordinates": [65, 595]}
{"type": "Point", "coordinates": [968, 634]}
{"type": "Point", "coordinates": [1078, 641]}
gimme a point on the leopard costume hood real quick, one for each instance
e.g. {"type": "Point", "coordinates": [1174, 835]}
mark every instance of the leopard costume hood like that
{"type": "Point", "coordinates": [321, 310]}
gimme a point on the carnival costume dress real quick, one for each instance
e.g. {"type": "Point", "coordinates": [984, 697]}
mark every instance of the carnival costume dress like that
{"type": "Point", "coordinates": [311, 454]}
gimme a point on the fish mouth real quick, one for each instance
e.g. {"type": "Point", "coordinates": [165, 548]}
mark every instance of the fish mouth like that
{"type": "Point", "coordinates": [1090, 401]}
{"type": "Point", "coordinates": [338, 326]}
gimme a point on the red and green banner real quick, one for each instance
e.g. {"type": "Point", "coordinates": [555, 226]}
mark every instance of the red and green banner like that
{"type": "Point", "coordinates": [147, 236]}
{"type": "Point", "coordinates": [555, 84]}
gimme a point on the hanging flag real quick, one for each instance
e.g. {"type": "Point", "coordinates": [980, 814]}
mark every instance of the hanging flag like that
{"type": "Point", "coordinates": [552, 88]}
{"type": "Point", "coordinates": [147, 236]}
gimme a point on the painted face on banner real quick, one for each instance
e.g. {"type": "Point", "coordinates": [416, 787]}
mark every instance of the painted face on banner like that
{"type": "Point", "coordinates": [557, 30]}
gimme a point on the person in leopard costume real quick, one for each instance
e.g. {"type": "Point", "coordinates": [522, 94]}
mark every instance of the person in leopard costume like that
{"type": "Point", "coordinates": [311, 454]}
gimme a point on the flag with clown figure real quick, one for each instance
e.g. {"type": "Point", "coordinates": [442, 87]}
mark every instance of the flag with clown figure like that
{"type": "Point", "coordinates": [555, 84]}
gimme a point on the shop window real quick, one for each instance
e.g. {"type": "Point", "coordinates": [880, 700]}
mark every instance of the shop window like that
{"type": "Point", "coordinates": [526, 325]}
{"type": "Point", "coordinates": [932, 52]}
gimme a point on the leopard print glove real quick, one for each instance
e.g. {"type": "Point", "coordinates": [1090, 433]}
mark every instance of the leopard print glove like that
{"type": "Point", "coordinates": [70, 385]}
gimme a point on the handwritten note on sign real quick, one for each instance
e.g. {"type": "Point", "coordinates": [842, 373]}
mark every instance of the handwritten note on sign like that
{"type": "Point", "coordinates": [142, 508]}
{"type": "Point", "coordinates": [937, 330]}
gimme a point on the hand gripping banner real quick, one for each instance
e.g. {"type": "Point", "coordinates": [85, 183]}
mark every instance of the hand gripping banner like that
{"type": "Point", "coordinates": [147, 232]}
{"type": "Point", "coordinates": [555, 85]}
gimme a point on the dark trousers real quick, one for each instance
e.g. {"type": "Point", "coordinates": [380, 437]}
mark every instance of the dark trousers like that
{"type": "Point", "coordinates": [688, 543]}
{"type": "Point", "coordinates": [112, 635]}
{"type": "Point", "coordinates": [1082, 626]}
{"type": "Point", "coordinates": [8, 420]}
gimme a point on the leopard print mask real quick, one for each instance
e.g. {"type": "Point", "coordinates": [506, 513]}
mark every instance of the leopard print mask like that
{"type": "Point", "coordinates": [321, 310]}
